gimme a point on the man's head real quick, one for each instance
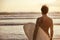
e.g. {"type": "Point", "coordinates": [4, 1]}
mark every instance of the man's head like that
{"type": "Point", "coordinates": [44, 9]}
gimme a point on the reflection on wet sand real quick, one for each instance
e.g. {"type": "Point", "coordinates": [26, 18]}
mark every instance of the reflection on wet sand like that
{"type": "Point", "coordinates": [11, 35]}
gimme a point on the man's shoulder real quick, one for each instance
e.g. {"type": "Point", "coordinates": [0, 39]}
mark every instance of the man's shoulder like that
{"type": "Point", "coordinates": [38, 18]}
{"type": "Point", "coordinates": [50, 18]}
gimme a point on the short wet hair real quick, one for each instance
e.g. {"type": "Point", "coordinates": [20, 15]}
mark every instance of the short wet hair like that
{"type": "Point", "coordinates": [44, 9]}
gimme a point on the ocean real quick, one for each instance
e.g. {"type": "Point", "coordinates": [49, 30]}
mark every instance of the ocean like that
{"type": "Point", "coordinates": [11, 25]}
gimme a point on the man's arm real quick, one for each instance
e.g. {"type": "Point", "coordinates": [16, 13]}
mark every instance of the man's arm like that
{"type": "Point", "coordinates": [36, 30]}
{"type": "Point", "coordinates": [51, 31]}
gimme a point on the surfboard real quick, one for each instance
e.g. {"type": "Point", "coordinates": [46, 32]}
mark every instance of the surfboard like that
{"type": "Point", "coordinates": [41, 35]}
{"type": "Point", "coordinates": [29, 30]}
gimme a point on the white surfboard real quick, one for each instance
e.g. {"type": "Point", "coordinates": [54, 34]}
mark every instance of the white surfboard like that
{"type": "Point", "coordinates": [41, 35]}
{"type": "Point", "coordinates": [29, 30]}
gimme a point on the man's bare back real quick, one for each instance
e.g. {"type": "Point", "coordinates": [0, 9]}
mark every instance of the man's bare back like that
{"type": "Point", "coordinates": [44, 22]}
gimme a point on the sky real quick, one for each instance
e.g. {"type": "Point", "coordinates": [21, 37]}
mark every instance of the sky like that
{"type": "Point", "coordinates": [28, 5]}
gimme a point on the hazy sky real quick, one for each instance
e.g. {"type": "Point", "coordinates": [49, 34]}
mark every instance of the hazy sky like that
{"type": "Point", "coordinates": [28, 5]}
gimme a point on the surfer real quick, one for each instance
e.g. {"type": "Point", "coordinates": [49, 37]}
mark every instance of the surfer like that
{"type": "Point", "coordinates": [44, 22]}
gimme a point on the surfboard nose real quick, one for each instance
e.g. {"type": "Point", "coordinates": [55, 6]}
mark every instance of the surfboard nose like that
{"type": "Point", "coordinates": [29, 29]}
